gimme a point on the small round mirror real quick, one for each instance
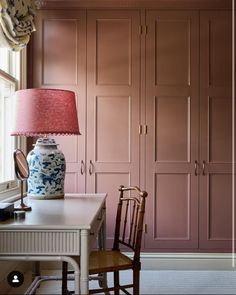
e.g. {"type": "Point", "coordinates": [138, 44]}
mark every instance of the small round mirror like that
{"type": "Point", "coordinates": [21, 165]}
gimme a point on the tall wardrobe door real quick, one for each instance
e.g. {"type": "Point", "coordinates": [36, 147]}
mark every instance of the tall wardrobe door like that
{"type": "Point", "coordinates": [216, 140]}
{"type": "Point", "coordinates": [59, 61]}
{"type": "Point", "coordinates": [172, 140]}
{"type": "Point", "coordinates": [113, 103]}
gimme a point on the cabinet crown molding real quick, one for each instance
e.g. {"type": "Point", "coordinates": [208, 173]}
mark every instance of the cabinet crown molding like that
{"type": "Point", "coordinates": [158, 4]}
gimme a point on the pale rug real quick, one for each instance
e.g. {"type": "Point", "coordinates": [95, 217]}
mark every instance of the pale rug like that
{"type": "Point", "coordinates": [164, 282]}
{"type": "Point", "coordinates": [171, 282]}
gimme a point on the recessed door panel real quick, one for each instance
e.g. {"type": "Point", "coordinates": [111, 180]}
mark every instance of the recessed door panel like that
{"type": "Point", "coordinates": [113, 115]}
{"type": "Point", "coordinates": [219, 217]}
{"type": "Point", "coordinates": [69, 150]}
{"type": "Point", "coordinates": [113, 49]}
{"type": "Point", "coordinates": [59, 65]}
{"type": "Point", "coordinates": [172, 119]}
{"type": "Point", "coordinates": [71, 182]}
{"type": "Point", "coordinates": [219, 29]}
{"type": "Point", "coordinates": [220, 129]}
{"type": "Point", "coordinates": [172, 51]}
{"type": "Point", "coordinates": [172, 207]}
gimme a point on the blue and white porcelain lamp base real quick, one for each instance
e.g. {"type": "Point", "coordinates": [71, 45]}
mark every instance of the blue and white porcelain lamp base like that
{"type": "Point", "coordinates": [47, 170]}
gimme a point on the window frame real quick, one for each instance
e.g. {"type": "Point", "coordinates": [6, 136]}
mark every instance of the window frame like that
{"type": "Point", "coordinates": [10, 190]}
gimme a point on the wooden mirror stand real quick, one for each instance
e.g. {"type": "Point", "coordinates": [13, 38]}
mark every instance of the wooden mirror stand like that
{"type": "Point", "coordinates": [22, 173]}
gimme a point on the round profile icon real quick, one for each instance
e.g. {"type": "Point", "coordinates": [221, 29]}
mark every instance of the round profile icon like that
{"type": "Point", "coordinates": [15, 279]}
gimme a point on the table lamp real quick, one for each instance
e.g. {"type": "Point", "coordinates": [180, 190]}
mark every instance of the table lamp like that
{"type": "Point", "coordinates": [42, 113]}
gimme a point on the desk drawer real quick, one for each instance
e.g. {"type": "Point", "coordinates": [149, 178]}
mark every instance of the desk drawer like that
{"type": "Point", "coordinates": [39, 242]}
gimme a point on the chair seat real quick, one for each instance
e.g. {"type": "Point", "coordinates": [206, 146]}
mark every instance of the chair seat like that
{"type": "Point", "coordinates": [106, 261]}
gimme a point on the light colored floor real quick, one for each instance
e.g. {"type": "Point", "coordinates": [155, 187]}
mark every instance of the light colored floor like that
{"type": "Point", "coordinates": [159, 282]}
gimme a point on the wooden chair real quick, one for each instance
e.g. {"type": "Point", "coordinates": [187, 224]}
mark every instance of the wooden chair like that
{"type": "Point", "coordinates": [128, 232]}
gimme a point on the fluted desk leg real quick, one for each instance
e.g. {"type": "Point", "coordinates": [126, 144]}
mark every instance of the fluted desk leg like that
{"type": "Point", "coordinates": [84, 280]}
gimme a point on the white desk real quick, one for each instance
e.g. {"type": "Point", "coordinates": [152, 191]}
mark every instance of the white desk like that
{"type": "Point", "coordinates": [56, 230]}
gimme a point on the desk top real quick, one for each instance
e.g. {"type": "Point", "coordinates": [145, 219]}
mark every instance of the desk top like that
{"type": "Point", "coordinates": [76, 211]}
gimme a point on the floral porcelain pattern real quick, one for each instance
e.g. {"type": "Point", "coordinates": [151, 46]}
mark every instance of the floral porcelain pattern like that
{"type": "Point", "coordinates": [47, 170]}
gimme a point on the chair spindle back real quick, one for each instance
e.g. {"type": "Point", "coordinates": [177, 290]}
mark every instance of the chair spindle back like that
{"type": "Point", "coordinates": [129, 219]}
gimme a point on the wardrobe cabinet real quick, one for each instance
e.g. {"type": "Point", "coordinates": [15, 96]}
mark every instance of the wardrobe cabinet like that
{"type": "Point", "coordinates": [153, 92]}
{"type": "Point", "coordinates": [188, 158]}
{"type": "Point", "coordinates": [98, 60]}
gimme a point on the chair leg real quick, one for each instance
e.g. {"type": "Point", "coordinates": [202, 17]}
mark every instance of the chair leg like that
{"type": "Point", "coordinates": [64, 278]}
{"type": "Point", "coordinates": [103, 282]}
{"type": "Point", "coordinates": [116, 283]}
{"type": "Point", "coordinates": [136, 281]}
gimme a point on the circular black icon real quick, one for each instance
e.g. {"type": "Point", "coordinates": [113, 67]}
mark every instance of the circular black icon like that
{"type": "Point", "coordinates": [15, 279]}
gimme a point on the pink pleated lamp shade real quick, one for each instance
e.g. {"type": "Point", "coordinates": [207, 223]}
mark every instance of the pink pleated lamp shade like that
{"type": "Point", "coordinates": [45, 111]}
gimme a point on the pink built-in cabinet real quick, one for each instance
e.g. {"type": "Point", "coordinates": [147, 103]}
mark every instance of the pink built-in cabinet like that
{"type": "Point", "coordinates": [154, 107]}
{"type": "Point", "coordinates": [188, 148]}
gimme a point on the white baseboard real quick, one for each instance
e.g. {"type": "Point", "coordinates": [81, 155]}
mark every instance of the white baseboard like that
{"type": "Point", "coordinates": [175, 261]}
{"type": "Point", "coordinates": [186, 261]}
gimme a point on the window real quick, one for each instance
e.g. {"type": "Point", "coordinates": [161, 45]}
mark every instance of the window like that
{"type": "Point", "coordinates": [9, 83]}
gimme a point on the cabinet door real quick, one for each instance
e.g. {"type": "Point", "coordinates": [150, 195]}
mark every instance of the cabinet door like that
{"type": "Point", "coordinates": [59, 61]}
{"type": "Point", "coordinates": [113, 101]}
{"type": "Point", "coordinates": [172, 61]}
{"type": "Point", "coordinates": [216, 120]}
